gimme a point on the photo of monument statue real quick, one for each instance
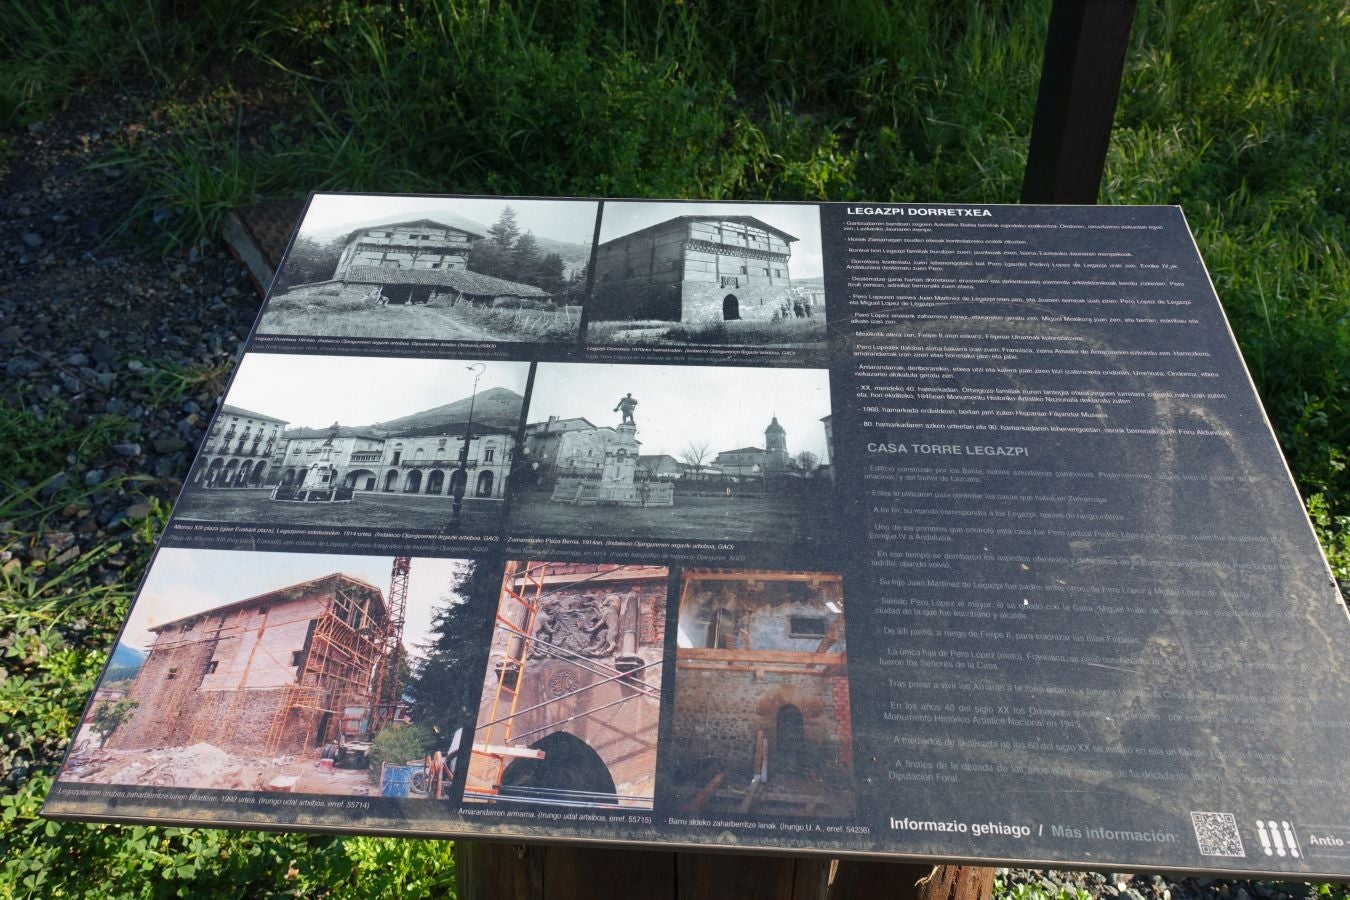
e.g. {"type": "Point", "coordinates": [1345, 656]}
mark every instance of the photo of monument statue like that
{"type": "Point", "coordinates": [721, 453]}
{"type": "Point", "coordinates": [739, 274]}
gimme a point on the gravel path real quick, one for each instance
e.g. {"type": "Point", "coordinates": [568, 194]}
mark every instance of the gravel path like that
{"type": "Point", "coordinates": [89, 325]}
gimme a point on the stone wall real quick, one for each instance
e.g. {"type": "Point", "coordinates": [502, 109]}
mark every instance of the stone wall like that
{"type": "Point", "coordinates": [701, 303]}
{"type": "Point", "coordinates": [585, 450]}
{"type": "Point", "coordinates": [166, 689]}
{"type": "Point", "coordinates": [718, 713]}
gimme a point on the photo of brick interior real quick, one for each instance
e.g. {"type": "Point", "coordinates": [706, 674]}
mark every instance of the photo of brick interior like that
{"type": "Point", "coordinates": [762, 720]}
{"type": "Point", "coordinates": [572, 695]}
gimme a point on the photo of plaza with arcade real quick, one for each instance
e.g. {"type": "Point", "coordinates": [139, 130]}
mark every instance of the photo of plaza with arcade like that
{"type": "Point", "coordinates": [436, 457]}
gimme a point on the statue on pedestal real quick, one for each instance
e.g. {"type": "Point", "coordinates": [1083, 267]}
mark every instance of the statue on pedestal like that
{"type": "Point", "coordinates": [626, 406]}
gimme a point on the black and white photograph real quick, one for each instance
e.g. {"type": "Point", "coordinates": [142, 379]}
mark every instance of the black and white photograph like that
{"type": "Point", "coordinates": [713, 453]}
{"type": "Point", "coordinates": [435, 268]}
{"type": "Point", "coordinates": [740, 274]}
{"type": "Point", "coordinates": [361, 441]}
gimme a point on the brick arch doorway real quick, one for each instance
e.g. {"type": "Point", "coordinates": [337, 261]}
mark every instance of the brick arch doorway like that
{"type": "Point", "coordinates": [731, 308]}
{"type": "Point", "coordinates": [570, 771]}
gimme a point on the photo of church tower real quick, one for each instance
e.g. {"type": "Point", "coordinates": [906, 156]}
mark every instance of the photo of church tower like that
{"type": "Point", "coordinates": [771, 458]}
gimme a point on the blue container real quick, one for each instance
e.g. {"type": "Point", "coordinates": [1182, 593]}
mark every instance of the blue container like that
{"type": "Point", "coordinates": [395, 780]}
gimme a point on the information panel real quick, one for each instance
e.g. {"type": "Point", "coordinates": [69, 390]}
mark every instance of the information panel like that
{"type": "Point", "coordinates": [942, 532]}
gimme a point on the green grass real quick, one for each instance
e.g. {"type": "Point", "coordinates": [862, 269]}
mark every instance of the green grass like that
{"type": "Point", "coordinates": [1237, 111]}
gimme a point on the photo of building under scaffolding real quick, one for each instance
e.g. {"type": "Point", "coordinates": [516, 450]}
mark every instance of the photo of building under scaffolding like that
{"type": "Point", "coordinates": [272, 672]}
{"type": "Point", "coordinates": [572, 695]}
{"type": "Point", "coordinates": [762, 721]}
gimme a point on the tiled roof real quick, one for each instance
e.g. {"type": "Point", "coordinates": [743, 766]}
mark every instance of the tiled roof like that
{"type": "Point", "coordinates": [750, 220]}
{"type": "Point", "coordinates": [471, 283]}
{"type": "Point", "coordinates": [559, 426]}
{"type": "Point", "coordinates": [228, 410]}
{"type": "Point", "coordinates": [353, 431]}
{"type": "Point", "coordinates": [280, 595]}
{"type": "Point", "coordinates": [442, 220]}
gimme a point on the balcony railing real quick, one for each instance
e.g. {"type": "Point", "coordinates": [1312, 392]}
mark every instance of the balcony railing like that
{"type": "Point", "coordinates": [436, 463]}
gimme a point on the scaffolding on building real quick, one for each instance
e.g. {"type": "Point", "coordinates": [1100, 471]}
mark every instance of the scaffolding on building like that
{"type": "Point", "coordinates": [516, 614]}
{"type": "Point", "coordinates": [336, 671]}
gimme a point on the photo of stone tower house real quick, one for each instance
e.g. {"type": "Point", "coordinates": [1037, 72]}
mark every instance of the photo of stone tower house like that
{"type": "Point", "coordinates": [696, 269]}
{"type": "Point", "coordinates": [762, 715]}
{"type": "Point", "coordinates": [572, 695]}
{"type": "Point", "coordinates": [412, 261]}
{"type": "Point", "coordinates": [269, 674]}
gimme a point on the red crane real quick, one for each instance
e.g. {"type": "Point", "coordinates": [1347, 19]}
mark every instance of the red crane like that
{"type": "Point", "coordinates": [387, 688]}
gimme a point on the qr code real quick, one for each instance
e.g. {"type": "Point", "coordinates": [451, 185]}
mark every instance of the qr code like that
{"type": "Point", "coordinates": [1217, 834]}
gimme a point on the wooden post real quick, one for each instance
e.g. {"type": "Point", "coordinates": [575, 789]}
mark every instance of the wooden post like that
{"type": "Point", "coordinates": [500, 871]}
{"type": "Point", "coordinates": [1080, 82]}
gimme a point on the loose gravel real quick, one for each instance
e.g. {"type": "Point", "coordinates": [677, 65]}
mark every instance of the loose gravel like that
{"type": "Point", "coordinates": [92, 325]}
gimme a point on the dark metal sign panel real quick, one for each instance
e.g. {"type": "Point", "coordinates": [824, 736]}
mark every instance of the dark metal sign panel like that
{"type": "Point", "coordinates": [942, 532]}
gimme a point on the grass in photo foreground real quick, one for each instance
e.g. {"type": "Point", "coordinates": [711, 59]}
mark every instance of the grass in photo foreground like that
{"type": "Point", "coordinates": [779, 520]}
{"type": "Point", "coordinates": [316, 311]}
{"type": "Point", "coordinates": [376, 510]}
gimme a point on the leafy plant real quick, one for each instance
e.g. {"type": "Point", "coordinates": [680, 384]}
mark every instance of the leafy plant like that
{"type": "Point", "coordinates": [397, 745]}
{"type": "Point", "coordinates": [110, 714]}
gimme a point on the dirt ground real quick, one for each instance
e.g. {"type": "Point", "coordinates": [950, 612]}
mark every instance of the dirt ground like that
{"type": "Point", "coordinates": [381, 321]}
{"type": "Point", "coordinates": [367, 510]}
{"type": "Point", "coordinates": [207, 766]}
{"type": "Point", "coordinates": [777, 519]}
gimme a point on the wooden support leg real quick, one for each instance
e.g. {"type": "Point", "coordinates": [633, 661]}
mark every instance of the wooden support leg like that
{"type": "Point", "coordinates": [897, 881]}
{"type": "Point", "coordinates": [492, 871]}
{"type": "Point", "coordinates": [1080, 82]}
